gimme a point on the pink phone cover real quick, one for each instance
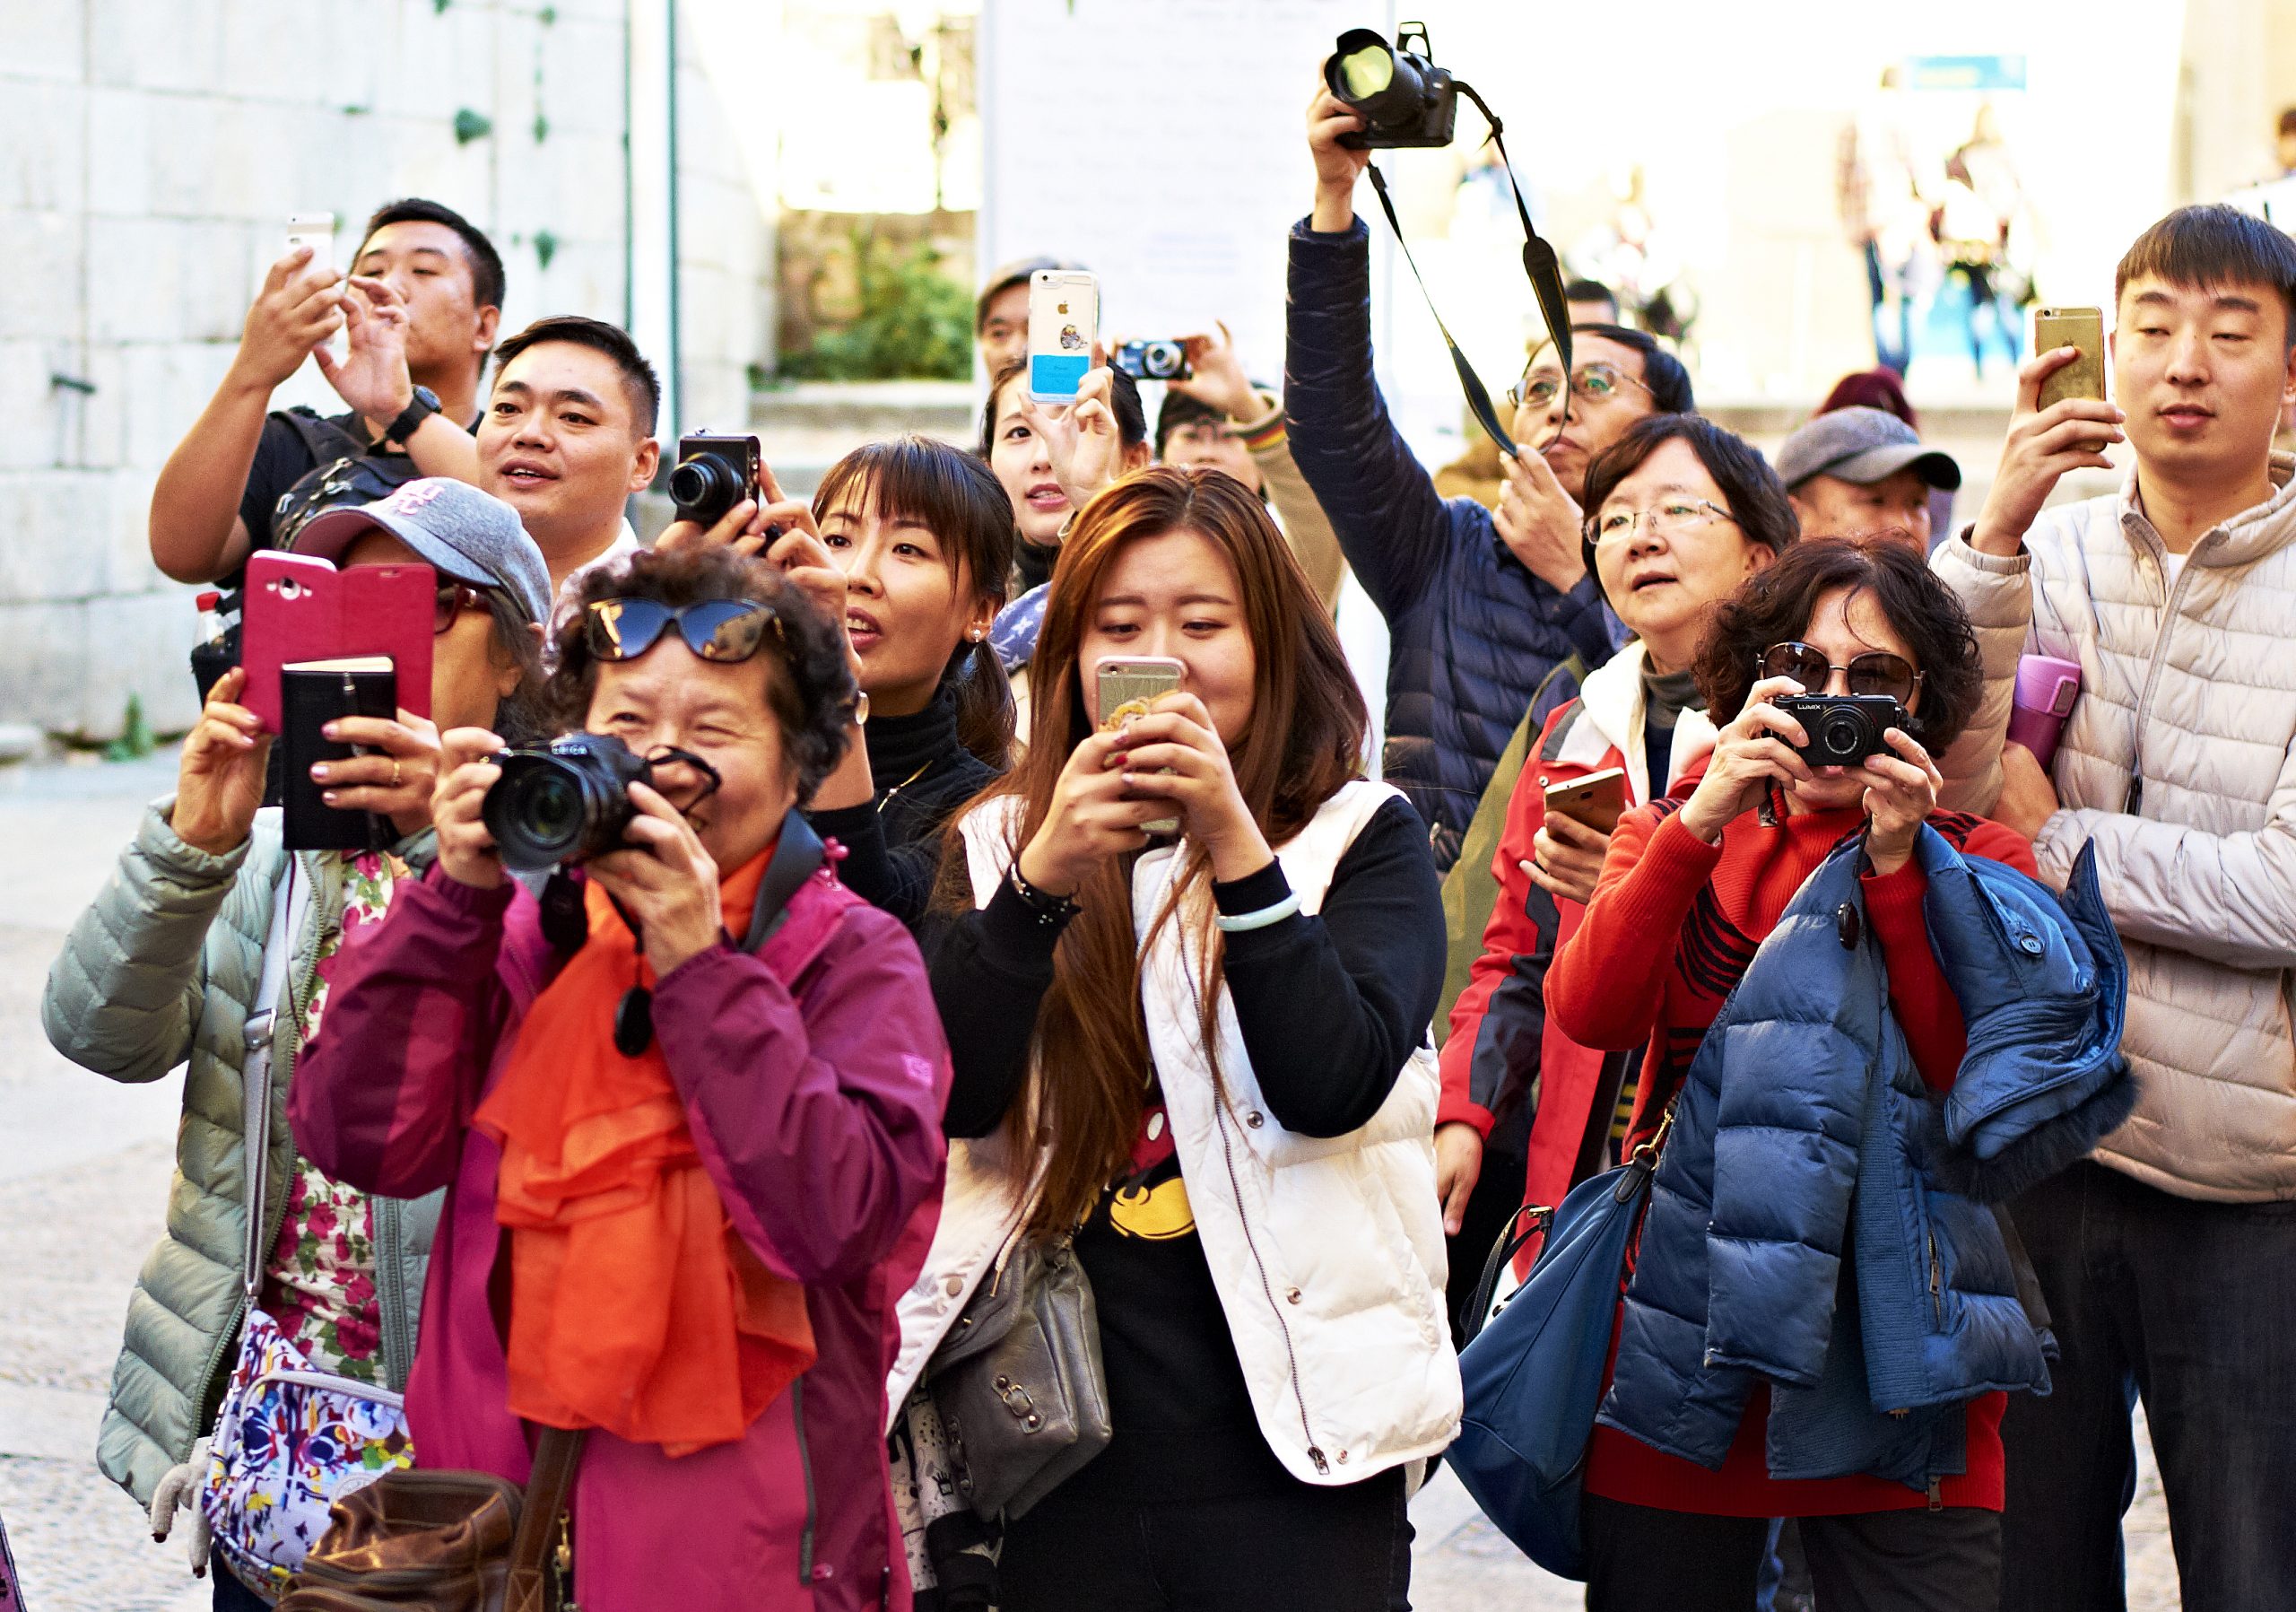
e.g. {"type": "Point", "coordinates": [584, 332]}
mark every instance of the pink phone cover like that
{"type": "Point", "coordinates": [300, 607]}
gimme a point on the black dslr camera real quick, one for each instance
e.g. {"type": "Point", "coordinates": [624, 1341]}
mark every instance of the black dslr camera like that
{"type": "Point", "coordinates": [1406, 100]}
{"type": "Point", "coordinates": [713, 475]}
{"type": "Point", "coordinates": [563, 802]}
{"type": "Point", "coordinates": [1153, 360]}
{"type": "Point", "coordinates": [1844, 729]}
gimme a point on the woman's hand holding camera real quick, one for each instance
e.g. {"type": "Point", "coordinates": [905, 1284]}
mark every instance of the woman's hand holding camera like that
{"type": "Point", "coordinates": [666, 880]}
{"type": "Point", "coordinates": [1080, 439]}
{"type": "Point", "coordinates": [398, 780]}
{"type": "Point", "coordinates": [1337, 167]}
{"type": "Point", "coordinates": [750, 527]}
{"type": "Point", "coordinates": [218, 781]}
{"type": "Point", "coordinates": [1755, 751]}
{"type": "Point", "coordinates": [467, 773]}
{"type": "Point", "coordinates": [1219, 380]}
{"type": "Point", "coordinates": [1178, 733]}
{"type": "Point", "coordinates": [1901, 792]}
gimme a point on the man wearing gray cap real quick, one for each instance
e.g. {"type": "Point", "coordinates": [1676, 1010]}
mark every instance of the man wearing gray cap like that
{"type": "Point", "coordinates": [1860, 471]}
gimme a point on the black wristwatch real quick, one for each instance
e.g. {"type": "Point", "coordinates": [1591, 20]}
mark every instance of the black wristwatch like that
{"type": "Point", "coordinates": [421, 407]}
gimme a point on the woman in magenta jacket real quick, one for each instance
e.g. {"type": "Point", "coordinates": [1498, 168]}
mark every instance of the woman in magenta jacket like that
{"type": "Point", "coordinates": [810, 1079]}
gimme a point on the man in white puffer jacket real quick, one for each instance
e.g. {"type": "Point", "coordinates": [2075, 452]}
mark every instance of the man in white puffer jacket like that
{"type": "Point", "coordinates": [2167, 1261]}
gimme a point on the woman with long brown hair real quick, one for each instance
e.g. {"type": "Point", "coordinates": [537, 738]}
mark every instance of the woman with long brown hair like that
{"type": "Point", "coordinates": [1204, 1060]}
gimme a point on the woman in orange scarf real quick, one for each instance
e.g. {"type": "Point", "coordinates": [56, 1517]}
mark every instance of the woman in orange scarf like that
{"type": "Point", "coordinates": [691, 1160]}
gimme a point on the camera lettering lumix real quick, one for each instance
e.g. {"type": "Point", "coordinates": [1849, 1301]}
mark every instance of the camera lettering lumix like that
{"type": "Point", "coordinates": [713, 475]}
{"type": "Point", "coordinates": [564, 802]}
{"type": "Point", "coordinates": [1844, 729]}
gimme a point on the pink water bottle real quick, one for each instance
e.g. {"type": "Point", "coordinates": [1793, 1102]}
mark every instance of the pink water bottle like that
{"type": "Point", "coordinates": [2045, 690]}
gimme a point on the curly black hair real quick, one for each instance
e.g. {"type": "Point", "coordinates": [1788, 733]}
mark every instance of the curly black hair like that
{"type": "Point", "coordinates": [808, 681]}
{"type": "Point", "coordinates": [1774, 605]}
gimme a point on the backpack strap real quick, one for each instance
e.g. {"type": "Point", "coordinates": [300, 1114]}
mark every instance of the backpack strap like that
{"type": "Point", "coordinates": [323, 439]}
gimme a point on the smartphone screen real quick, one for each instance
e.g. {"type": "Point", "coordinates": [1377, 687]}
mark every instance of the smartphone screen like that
{"type": "Point", "coordinates": [2081, 327]}
{"type": "Point", "coordinates": [1063, 322]}
{"type": "Point", "coordinates": [316, 231]}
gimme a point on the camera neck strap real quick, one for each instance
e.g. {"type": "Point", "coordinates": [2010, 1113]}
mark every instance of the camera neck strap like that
{"type": "Point", "coordinates": [1539, 263]}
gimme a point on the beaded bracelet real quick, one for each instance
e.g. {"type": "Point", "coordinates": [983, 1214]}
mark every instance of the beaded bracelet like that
{"type": "Point", "coordinates": [1050, 910]}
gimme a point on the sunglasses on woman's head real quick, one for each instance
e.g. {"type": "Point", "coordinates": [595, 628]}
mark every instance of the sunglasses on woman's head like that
{"type": "Point", "coordinates": [721, 630]}
{"type": "Point", "coordinates": [1876, 671]}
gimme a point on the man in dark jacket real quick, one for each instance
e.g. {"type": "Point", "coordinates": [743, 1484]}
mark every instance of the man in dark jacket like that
{"type": "Point", "coordinates": [1480, 605]}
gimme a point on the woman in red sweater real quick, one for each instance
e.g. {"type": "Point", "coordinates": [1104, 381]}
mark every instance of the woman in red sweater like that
{"type": "Point", "coordinates": [1689, 891]}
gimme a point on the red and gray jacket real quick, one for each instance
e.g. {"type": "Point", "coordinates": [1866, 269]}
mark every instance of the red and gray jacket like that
{"type": "Point", "coordinates": [1502, 1051]}
{"type": "Point", "coordinates": [813, 1075]}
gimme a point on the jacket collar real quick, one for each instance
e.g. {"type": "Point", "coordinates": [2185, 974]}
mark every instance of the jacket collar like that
{"type": "Point", "coordinates": [2250, 536]}
{"type": "Point", "coordinates": [1610, 721]}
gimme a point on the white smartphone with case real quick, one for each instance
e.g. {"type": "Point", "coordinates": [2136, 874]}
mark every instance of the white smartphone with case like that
{"type": "Point", "coordinates": [316, 231]}
{"type": "Point", "coordinates": [1063, 322]}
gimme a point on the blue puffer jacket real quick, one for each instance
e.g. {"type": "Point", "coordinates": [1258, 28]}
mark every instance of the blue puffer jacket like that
{"type": "Point", "coordinates": [1472, 633]}
{"type": "Point", "coordinates": [1819, 1218]}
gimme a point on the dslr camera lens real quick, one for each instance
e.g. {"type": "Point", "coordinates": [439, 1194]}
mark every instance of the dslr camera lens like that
{"type": "Point", "coordinates": [562, 802]}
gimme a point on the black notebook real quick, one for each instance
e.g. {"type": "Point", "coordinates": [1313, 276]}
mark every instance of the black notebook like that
{"type": "Point", "coordinates": [311, 695]}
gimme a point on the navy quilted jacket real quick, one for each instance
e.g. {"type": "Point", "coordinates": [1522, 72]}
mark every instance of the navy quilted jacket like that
{"type": "Point", "coordinates": [1472, 631]}
{"type": "Point", "coordinates": [1819, 1219]}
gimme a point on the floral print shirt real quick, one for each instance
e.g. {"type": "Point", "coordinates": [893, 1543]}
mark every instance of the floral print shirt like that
{"type": "Point", "coordinates": [321, 1284]}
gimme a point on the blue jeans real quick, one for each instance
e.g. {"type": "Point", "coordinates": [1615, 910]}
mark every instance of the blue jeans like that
{"type": "Point", "coordinates": [2192, 1305]}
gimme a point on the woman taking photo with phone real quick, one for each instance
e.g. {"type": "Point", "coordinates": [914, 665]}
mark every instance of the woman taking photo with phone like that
{"type": "Point", "coordinates": [685, 1128]}
{"type": "Point", "coordinates": [1681, 512]}
{"type": "Point", "coordinates": [1203, 1060]}
{"type": "Point", "coordinates": [210, 929]}
{"type": "Point", "coordinates": [1862, 1029]}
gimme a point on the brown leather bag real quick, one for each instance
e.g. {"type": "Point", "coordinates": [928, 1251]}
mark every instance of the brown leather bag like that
{"type": "Point", "coordinates": [418, 1541]}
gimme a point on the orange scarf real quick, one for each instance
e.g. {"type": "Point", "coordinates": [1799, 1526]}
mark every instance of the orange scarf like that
{"type": "Point", "coordinates": [634, 1304]}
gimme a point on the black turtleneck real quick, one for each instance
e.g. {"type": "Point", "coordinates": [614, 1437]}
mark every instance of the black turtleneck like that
{"type": "Point", "coordinates": [923, 774]}
{"type": "Point", "coordinates": [1033, 564]}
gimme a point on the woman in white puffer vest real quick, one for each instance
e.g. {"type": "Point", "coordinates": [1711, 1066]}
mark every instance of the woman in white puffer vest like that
{"type": "Point", "coordinates": [1205, 1060]}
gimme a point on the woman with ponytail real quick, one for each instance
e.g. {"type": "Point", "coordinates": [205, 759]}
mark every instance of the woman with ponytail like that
{"type": "Point", "coordinates": [1203, 1062]}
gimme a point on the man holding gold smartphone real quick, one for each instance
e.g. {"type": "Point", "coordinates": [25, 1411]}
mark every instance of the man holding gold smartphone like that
{"type": "Point", "coordinates": [2165, 1258]}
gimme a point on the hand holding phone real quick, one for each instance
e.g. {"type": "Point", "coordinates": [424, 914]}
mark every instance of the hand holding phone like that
{"type": "Point", "coordinates": [1126, 686]}
{"type": "Point", "coordinates": [1598, 800]}
{"type": "Point", "coordinates": [2079, 327]}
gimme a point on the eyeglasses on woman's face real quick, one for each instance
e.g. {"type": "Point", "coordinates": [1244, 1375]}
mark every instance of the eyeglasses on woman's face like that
{"type": "Point", "coordinates": [1877, 672]}
{"type": "Point", "coordinates": [1589, 383]}
{"type": "Point", "coordinates": [1669, 517]}
{"type": "Point", "coordinates": [454, 599]}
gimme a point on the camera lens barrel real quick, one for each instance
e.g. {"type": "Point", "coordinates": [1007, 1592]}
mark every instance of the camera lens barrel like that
{"type": "Point", "coordinates": [563, 805]}
{"type": "Point", "coordinates": [1377, 79]}
{"type": "Point", "coordinates": [704, 487]}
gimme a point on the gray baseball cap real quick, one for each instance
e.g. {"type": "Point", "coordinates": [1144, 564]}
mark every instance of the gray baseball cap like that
{"type": "Point", "coordinates": [459, 531]}
{"type": "Point", "coordinates": [1862, 445]}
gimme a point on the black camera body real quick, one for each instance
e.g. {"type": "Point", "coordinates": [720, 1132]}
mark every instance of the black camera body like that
{"type": "Point", "coordinates": [1844, 729]}
{"type": "Point", "coordinates": [1417, 107]}
{"type": "Point", "coordinates": [713, 474]}
{"type": "Point", "coordinates": [564, 802]}
{"type": "Point", "coordinates": [1153, 360]}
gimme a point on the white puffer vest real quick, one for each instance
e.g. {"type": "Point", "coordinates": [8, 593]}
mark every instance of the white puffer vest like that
{"type": "Point", "coordinates": [1326, 1251]}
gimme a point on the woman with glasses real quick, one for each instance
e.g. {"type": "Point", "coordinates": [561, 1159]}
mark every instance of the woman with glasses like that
{"type": "Point", "coordinates": [1680, 512]}
{"type": "Point", "coordinates": [209, 926]}
{"type": "Point", "coordinates": [1821, 1313]}
{"type": "Point", "coordinates": [684, 1120]}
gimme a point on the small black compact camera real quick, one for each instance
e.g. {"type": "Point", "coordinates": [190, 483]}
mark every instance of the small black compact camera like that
{"type": "Point", "coordinates": [713, 475]}
{"type": "Point", "coordinates": [564, 802]}
{"type": "Point", "coordinates": [1844, 729]}
{"type": "Point", "coordinates": [1153, 360]}
{"type": "Point", "coordinates": [1406, 100]}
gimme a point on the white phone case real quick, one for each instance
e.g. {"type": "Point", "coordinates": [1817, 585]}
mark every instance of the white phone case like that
{"type": "Point", "coordinates": [316, 231]}
{"type": "Point", "coordinates": [1063, 322]}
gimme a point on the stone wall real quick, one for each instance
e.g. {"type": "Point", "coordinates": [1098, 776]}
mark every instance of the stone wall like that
{"type": "Point", "coordinates": [150, 152]}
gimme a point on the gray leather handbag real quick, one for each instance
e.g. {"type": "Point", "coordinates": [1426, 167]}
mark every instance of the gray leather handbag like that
{"type": "Point", "coordinates": [1019, 1381]}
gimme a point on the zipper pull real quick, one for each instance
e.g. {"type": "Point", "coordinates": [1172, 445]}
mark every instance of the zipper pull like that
{"type": "Point", "coordinates": [1936, 1495]}
{"type": "Point", "coordinates": [1317, 1456]}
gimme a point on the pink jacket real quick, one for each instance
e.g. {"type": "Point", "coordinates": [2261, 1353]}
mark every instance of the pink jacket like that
{"type": "Point", "coordinates": [815, 1076]}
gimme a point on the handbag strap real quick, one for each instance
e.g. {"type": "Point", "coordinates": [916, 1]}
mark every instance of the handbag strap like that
{"type": "Point", "coordinates": [261, 1033]}
{"type": "Point", "coordinates": [557, 1453]}
{"type": "Point", "coordinates": [1504, 1248]}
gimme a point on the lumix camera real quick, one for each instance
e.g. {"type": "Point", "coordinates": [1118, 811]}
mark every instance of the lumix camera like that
{"type": "Point", "coordinates": [564, 802]}
{"type": "Point", "coordinates": [713, 475]}
{"type": "Point", "coordinates": [1153, 360]}
{"type": "Point", "coordinates": [1406, 100]}
{"type": "Point", "coordinates": [1844, 729]}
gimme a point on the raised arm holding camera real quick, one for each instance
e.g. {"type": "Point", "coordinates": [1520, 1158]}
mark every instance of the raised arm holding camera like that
{"type": "Point", "coordinates": [1480, 606]}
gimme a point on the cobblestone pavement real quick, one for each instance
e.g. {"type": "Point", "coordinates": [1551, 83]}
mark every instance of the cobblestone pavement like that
{"type": "Point", "coordinates": [84, 1166]}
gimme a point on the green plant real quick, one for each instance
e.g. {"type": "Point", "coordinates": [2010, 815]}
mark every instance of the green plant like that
{"type": "Point", "coordinates": [546, 247]}
{"type": "Point", "coordinates": [914, 321]}
{"type": "Point", "coordinates": [134, 735]}
{"type": "Point", "coordinates": [471, 125]}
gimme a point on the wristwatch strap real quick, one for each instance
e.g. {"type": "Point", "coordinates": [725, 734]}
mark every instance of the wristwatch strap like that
{"type": "Point", "coordinates": [418, 408]}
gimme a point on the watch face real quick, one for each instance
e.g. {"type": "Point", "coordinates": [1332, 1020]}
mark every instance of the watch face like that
{"type": "Point", "coordinates": [426, 397]}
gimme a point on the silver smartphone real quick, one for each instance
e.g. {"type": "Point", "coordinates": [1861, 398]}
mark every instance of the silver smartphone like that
{"type": "Point", "coordinates": [1125, 686]}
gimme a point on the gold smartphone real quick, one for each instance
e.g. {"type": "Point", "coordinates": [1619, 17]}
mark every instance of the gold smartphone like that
{"type": "Point", "coordinates": [1125, 686]}
{"type": "Point", "coordinates": [1598, 800]}
{"type": "Point", "coordinates": [2081, 327]}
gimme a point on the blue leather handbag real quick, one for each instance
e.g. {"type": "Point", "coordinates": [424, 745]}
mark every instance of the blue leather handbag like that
{"type": "Point", "coordinates": [1534, 1374]}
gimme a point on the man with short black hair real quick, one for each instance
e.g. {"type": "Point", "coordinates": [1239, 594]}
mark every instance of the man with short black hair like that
{"type": "Point", "coordinates": [567, 437]}
{"type": "Point", "coordinates": [421, 306]}
{"type": "Point", "coordinates": [2164, 1258]}
{"type": "Point", "coordinates": [1861, 472]}
{"type": "Point", "coordinates": [1590, 302]}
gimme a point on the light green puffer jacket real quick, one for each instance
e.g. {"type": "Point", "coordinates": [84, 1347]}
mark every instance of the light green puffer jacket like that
{"type": "Point", "coordinates": [161, 968]}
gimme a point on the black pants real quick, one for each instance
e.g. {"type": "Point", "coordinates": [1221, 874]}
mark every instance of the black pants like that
{"type": "Point", "coordinates": [1639, 1559]}
{"type": "Point", "coordinates": [1335, 1550]}
{"type": "Point", "coordinates": [2193, 1305]}
{"type": "Point", "coordinates": [231, 1595]}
